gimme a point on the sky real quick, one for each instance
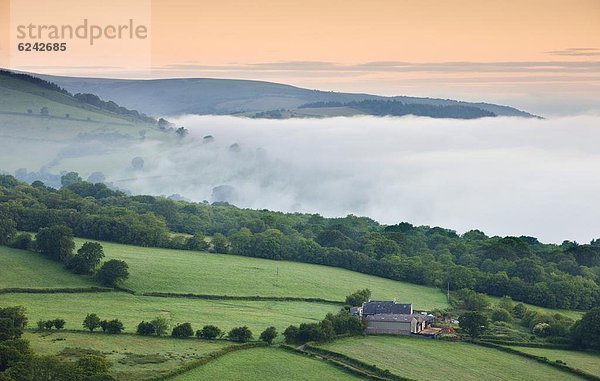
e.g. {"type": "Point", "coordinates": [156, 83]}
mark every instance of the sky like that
{"type": "Point", "coordinates": [538, 55]}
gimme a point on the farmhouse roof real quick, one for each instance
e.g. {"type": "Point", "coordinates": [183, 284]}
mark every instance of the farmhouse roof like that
{"type": "Point", "coordinates": [401, 318]}
{"type": "Point", "coordinates": [374, 307]}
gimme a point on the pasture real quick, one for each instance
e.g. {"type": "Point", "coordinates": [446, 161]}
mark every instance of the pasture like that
{"type": "Point", "coordinates": [426, 359]}
{"type": "Point", "coordinates": [266, 364]}
{"type": "Point", "coordinates": [131, 310]}
{"type": "Point", "coordinates": [133, 357]}
{"type": "Point", "coordinates": [587, 361]}
{"type": "Point", "coordinates": [32, 270]}
{"type": "Point", "coordinates": [178, 271]}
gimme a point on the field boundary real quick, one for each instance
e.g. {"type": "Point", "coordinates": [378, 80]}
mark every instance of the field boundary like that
{"type": "Point", "coordinates": [540, 359]}
{"type": "Point", "coordinates": [208, 358]}
{"type": "Point", "coordinates": [381, 374]}
{"type": "Point", "coordinates": [339, 364]}
{"type": "Point", "coordinates": [527, 344]}
{"type": "Point", "coordinates": [68, 290]}
{"type": "Point", "coordinates": [248, 298]}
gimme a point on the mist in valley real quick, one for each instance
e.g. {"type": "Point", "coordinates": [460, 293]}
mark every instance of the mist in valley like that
{"type": "Point", "coordinates": [502, 175]}
{"type": "Point", "coordinates": [505, 176]}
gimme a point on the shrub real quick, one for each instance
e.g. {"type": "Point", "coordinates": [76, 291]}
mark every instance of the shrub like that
{"type": "Point", "coordinates": [358, 298]}
{"type": "Point", "coordinates": [240, 334]}
{"type": "Point", "coordinates": [268, 335]}
{"type": "Point", "coordinates": [506, 303]}
{"type": "Point", "coordinates": [519, 310]}
{"type": "Point", "coordinates": [161, 325]}
{"type": "Point", "coordinates": [114, 326]}
{"type": "Point", "coordinates": [500, 314]}
{"type": "Point", "coordinates": [22, 241]}
{"type": "Point", "coordinates": [91, 322]}
{"type": "Point", "coordinates": [209, 332]}
{"type": "Point", "coordinates": [291, 334]}
{"type": "Point", "coordinates": [59, 323]}
{"type": "Point", "coordinates": [183, 330]}
{"type": "Point", "coordinates": [48, 324]}
{"type": "Point", "coordinates": [145, 329]}
{"type": "Point", "coordinates": [112, 272]}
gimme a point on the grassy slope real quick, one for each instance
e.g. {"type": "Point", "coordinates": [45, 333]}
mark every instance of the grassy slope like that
{"type": "Point", "coordinates": [54, 140]}
{"type": "Point", "coordinates": [132, 309]}
{"type": "Point", "coordinates": [204, 273]}
{"type": "Point", "coordinates": [425, 359]}
{"type": "Point", "coordinates": [32, 270]}
{"type": "Point", "coordinates": [265, 364]}
{"type": "Point", "coordinates": [575, 315]}
{"type": "Point", "coordinates": [121, 347]}
{"type": "Point", "coordinates": [586, 361]}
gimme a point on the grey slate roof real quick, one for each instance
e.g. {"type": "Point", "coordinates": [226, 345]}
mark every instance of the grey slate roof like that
{"type": "Point", "coordinates": [385, 307]}
{"type": "Point", "coordinates": [401, 318]}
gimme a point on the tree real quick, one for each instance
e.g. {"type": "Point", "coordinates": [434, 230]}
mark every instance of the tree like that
{"type": "Point", "coordinates": [472, 300]}
{"type": "Point", "coordinates": [291, 334]}
{"type": "Point", "coordinates": [44, 111]}
{"type": "Point", "coordinates": [59, 323]}
{"type": "Point", "coordinates": [8, 229]}
{"type": "Point", "coordinates": [12, 322]}
{"type": "Point", "coordinates": [240, 334]}
{"type": "Point", "coordinates": [22, 241]}
{"type": "Point", "coordinates": [112, 272]}
{"type": "Point", "coordinates": [104, 325]}
{"type": "Point", "coordinates": [220, 243]}
{"type": "Point", "coordinates": [358, 298]}
{"type": "Point", "coordinates": [87, 258]}
{"type": "Point", "coordinates": [114, 326]}
{"type": "Point", "coordinates": [145, 329]}
{"type": "Point", "coordinates": [586, 332]}
{"type": "Point", "coordinates": [70, 179]}
{"type": "Point", "coordinates": [91, 322]}
{"type": "Point", "coordinates": [48, 324]}
{"type": "Point", "coordinates": [197, 242]}
{"type": "Point", "coordinates": [182, 330]}
{"type": "Point", "coordinates": [500, 314]}
{"type": "Point", "coordinates": [268, 335]}
{"type": "Point", "coordinates": [161, 325]}
{"type": "Point", "coordinates": [519, 310]}
{"type": "Point", "coordinates": [93, 365]}
{"type": "Point", "coordinates": [473, 323]}
{"type": "Point", "coordinates": [506, 303]}
{"type": "Point", "coordinates": [209, 332]}
{"type": "Point", "coordinates": [56, 242]}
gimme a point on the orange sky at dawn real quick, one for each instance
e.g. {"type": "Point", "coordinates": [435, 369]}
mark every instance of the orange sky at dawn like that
{"type": "Point", "coordinates": [456, 48]}
{"type": "Point", "coordinates": [358, 31]}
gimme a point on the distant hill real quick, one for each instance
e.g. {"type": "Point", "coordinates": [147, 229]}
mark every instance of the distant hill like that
{"type": "Point", "coordinates": [169, 97]}
{"type": "Point", "coordinates": [27, 95]}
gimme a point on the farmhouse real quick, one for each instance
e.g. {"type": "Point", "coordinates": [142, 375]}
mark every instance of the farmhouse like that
{"type": "Point", "coordinates": [389, 317]}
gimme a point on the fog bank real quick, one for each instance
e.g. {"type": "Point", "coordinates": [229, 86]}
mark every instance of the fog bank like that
{"type": "Point", "coordinates": [505, 176]}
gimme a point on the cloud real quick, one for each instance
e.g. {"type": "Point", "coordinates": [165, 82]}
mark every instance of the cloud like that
{"type": "Point", "coordinates": [407, 67]}
{"type": "Point", "coordinates": [506, 176]}
{"type": "Point", "coordinates": [576, 52]}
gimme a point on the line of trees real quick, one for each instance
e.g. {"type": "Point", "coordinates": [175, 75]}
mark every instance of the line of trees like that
{"type": "Point", "coordinates": [18, 362]}
{"type": "Point", "coordinates": [555, 276]}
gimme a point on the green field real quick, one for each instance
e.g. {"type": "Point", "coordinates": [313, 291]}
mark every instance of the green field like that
{"type": "Point", "coordinates": [575, 315]}
{"type": "Point", "coordinates": [32, 270]}
{"type": "Point", "coordinates": [586, 361]}
{"type": "Point", "coordinates": [425, 359]}
{"type": "Point", "coordinates": [217, 274]}
{"type": "Point", "coordinates": [131, 310]}
{"type": "Point", "coordinates": [133, 357]}
{"type": "Point", "coordinates": [265, 364]}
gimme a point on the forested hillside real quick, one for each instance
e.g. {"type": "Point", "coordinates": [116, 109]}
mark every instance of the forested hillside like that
{"type": "Point", "coordinates": [556, 276]}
